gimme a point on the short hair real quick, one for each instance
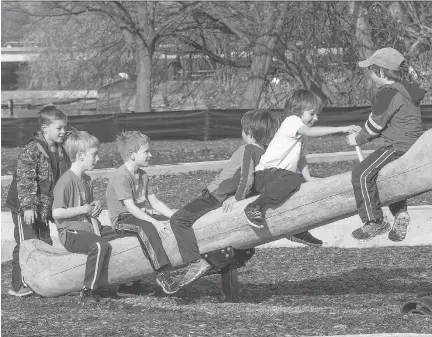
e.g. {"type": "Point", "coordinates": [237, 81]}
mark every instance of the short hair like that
{"type": "Point", "coordinates": [79, 141]}
{"type": "Point", "coordinates": [260, 124]}
{"type": "Point", "coordinates": [398, 75]}
{"type": "Point", "coordinates": [301, 100]}
{"type": "Point", "coordinates": [49, 114]}
{"type": "Point", "coordinates": [130, 141]}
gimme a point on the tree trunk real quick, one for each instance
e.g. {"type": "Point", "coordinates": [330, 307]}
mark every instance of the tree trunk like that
{"type": "Point", "coordinates": [143, 85]}
{"type": "Point", "coordinates": [51, 271]}
{"type": "Point", "coordinates": [364, 45]}
{"type": "Point", "coordinates": [262, 55]}
{"type": "Point", "coordinates": [363, 31]}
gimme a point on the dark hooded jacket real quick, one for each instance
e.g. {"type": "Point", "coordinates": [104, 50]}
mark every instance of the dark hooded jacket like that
{"type": "Point", "coordinates": [37, 172]}
{"type": "Point", "coordinates": [395, 117]}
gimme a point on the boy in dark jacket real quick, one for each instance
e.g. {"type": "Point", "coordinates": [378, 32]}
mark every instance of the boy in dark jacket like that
{"type": "Point", "coordinates": [40, 164]}
{"type": "Point", "coordinates": [396, 118]}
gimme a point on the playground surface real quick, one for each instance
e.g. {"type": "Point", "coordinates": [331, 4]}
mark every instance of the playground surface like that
{"type": "Point", "coordinates": [283, 292]}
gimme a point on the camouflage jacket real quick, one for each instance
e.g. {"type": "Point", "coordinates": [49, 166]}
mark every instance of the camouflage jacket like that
{"type": "Point", "coordinates": [36, 175]}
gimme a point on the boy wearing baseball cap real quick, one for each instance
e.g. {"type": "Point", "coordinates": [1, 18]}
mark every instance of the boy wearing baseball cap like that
{"type": "Point", "coordinates": [396, 118]}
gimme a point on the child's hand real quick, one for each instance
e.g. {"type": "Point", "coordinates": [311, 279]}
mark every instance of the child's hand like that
{"type": "Point", "coordinates": [163, 229]}
{"type": "Point", "coordinates": [97, 208]}
{"type": "Point", "coordinates": [352, 128]}
{"type": "Point", "coordinates": [228, 204]}
{"type": "Point", "coordinates": [29, 217]}
{"type": "Point", "coordinates": [351, 139]}
{"type": "Point", "coordinates": [88, 209]}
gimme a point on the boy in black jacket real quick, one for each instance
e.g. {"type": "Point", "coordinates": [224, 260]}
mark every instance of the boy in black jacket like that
{"type": "Point", "coordinates": [40, 164]}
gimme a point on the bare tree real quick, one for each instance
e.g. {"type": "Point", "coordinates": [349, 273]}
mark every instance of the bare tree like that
{"type": "Point", "coordinates": [143, 26]}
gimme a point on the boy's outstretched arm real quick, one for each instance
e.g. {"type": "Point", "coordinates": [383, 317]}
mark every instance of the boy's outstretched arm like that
{"type": "Point", "coordinates": [138, 213]}
{"type": "Point", "coordinates": [318, 131]}
{"type": "Point", "coordinates": [159, 206]}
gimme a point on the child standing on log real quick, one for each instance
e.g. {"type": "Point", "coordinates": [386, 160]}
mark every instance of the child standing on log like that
{"type": "Point", "coordinates": [283, 167]}
{"type": "Point", "coordinates": [75, 211]}
{"type": "Point", "coordinates": [128, 187]}
{"type": "Point", "coordinates": [395, 117]}
{"type": "Point", "coordinates": [40, 164]}
{"type": "Point", "coordinates": [233, 184]}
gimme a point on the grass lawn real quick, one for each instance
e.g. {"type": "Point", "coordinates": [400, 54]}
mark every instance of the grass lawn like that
{"type": "Point", "coordinates": [182, 151]}
{"type": "Point", "coordinates": [283, 292]}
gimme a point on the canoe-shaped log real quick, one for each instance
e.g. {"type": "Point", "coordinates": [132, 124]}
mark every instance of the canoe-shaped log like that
{"type": "Point", "coordinates": [52, 271]}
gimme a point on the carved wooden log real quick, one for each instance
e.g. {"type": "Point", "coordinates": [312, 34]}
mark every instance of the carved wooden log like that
{"type": "Point", "coordinates": [51, 271]}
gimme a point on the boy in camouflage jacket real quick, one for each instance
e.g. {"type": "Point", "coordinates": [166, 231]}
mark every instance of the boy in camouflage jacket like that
{"type": "Point", "coordinates": [40, 164]}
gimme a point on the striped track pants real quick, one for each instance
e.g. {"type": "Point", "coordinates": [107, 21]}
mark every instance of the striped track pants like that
{"type": "Point", "coordinates": [97, 249]}
{"type": "Point", "coordinates": [364, 177]}
{"type": "Point", "coordinates": [38, 230]}
{"type": "Point", "coordinates": [151, 243]}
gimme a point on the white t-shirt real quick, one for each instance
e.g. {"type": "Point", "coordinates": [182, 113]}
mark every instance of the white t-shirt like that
{"type": "Point", "coordinates": [286, 147]}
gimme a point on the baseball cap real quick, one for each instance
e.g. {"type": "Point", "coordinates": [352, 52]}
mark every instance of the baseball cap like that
{"type": "Point", "coordinates": [387, 58]}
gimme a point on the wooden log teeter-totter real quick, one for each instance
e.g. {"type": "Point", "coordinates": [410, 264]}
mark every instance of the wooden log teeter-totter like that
{"type": "Point", "coordinates": [53, 271]}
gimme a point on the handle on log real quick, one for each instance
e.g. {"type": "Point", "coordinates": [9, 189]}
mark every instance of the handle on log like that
{"type": "Point", "coordinates": [359, 153]}
{"type": "Point", "coordinates": [95, 226]}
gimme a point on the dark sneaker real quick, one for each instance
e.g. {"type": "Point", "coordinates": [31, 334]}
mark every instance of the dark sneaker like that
{"type": "Point", "coordinates": [371, 229]}
{"type": "Point", "coordinates": [255, 216]}
{"type": "Point", "coordinates": [87, 295]}
{"type": "Point", "coordinates": [167, 282]}
{"type": "Point", "coordinates": [400, 227]}
{"type": "Point", "coordinates": [195, 270]}
{"type": "Point", "coordinates": [306, 238]}
{"type": "Point", "coordinates": [129, 290]}
{"type": "Point", "coordinates": [22, 292]}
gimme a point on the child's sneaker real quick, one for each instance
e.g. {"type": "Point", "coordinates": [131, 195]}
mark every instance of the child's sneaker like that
{"type": "Point", "coordinates": [306, 238]}
{"type": "Point", "coordinates": [129, 290]}
{"type": "Point", "coordinates": [195, 270]}
{"type": "Point", "coordinates": [255, 216]}
{"type": "Point", "coordinates": [400, 226]}
{"type": "Point", "coordinates": [371, 229]}
{"type": "Point", "coordinates": [87, 295]}
{"type": "Point", "coordinates": [22, 292]}
{"type": "Point", "coordinates": [167, 282]}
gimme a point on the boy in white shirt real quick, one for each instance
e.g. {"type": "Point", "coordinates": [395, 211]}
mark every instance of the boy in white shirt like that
{"type": "Point", "coordinates": [283, 167]}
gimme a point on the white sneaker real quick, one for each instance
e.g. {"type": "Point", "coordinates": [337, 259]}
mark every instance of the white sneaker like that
{"type": "Point", "coordinates": [23, 292]}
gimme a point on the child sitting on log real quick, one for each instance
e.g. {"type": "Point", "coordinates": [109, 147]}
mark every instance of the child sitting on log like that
{"type": "Point", "coordinates": [283, 167]}
{"type": "Point", "coordinates": [75, 211]}
{"type": "Point", "coordinates": [233, 184]}
{"type": "Point", "coordinates": [40, 164]}
{"type": "Point", "coordinates": [128, 187]}
{"type": "Point", "coordinates": [396, 118]}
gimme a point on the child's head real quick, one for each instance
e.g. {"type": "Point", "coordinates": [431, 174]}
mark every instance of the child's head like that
{"type": "Point", "coordinates": [385, 65]}
{"type": "Point", "coordinates": [259, 126]}
{"type": "Point", "coordinates": [82, 148]}
{"type": "Point", "coordinates": [134, 146]}
{"type": "Point", "coordinates": [52, 123]}
{"type": "Point", "coordinates": [304, 104]}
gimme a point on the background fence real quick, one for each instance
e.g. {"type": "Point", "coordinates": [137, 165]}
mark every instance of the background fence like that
{"type": "Point", "coordinates": [200, 125]}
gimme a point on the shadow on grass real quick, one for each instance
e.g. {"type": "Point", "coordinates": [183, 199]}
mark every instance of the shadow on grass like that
{"type": "Point", "coordinates": [362, 281]}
